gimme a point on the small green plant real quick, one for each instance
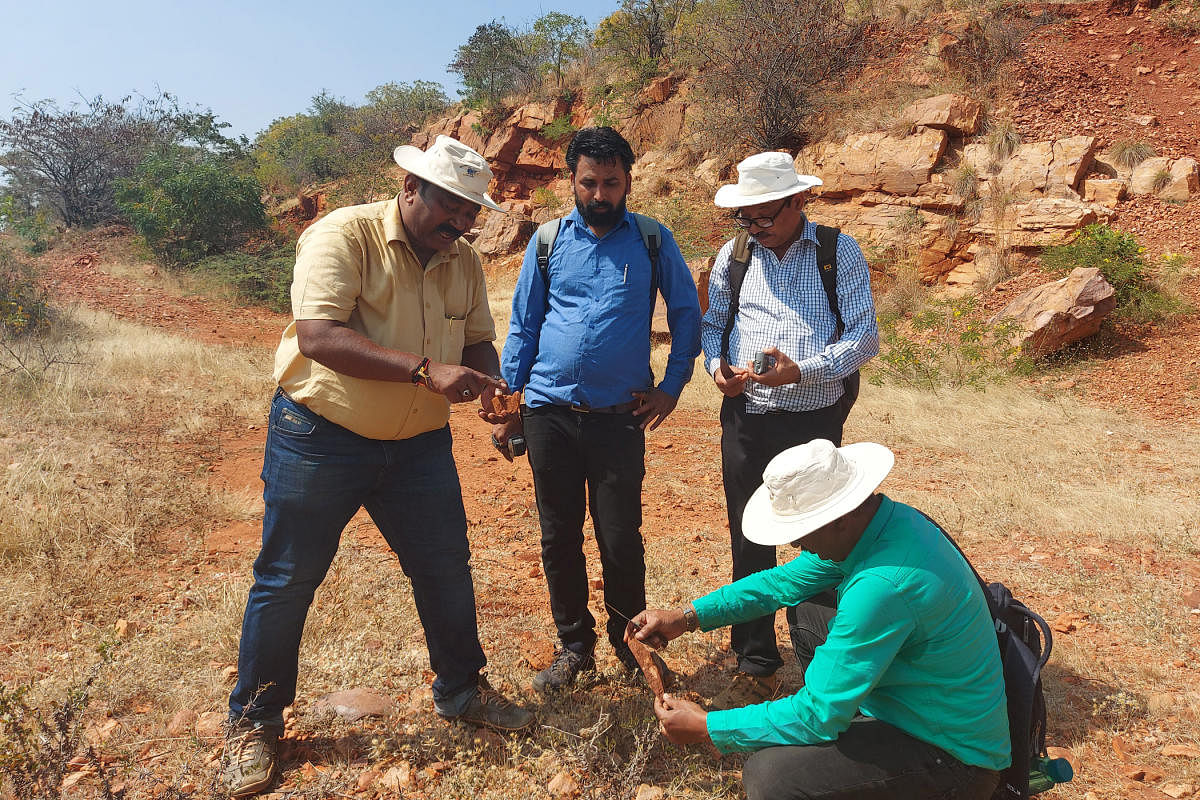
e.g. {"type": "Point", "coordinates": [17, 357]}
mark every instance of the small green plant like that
{"type": "Point", "coordinates": [1002, 139]}
{"type": "Point", "coordinates": [559, 128]}
{"type": "Point", "coordinates": [545, 198]}
{"type": "Point", "coordinates": [1128, 153]}
{"type": "Point", "coordinates": [947, 345]}
{"type": "Point", "coordinates": [33, 227]}
{"type": "Point", "coordinates": [1160, 181]}
{"type": "Point", "coordinates": [1121, 260]}
{"type": "Point", "coordinates": [24, 307]}
{"type": "Point", "coordinates": [1120, 711]}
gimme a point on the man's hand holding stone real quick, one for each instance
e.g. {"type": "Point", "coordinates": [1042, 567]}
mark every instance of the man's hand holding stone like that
{"type": "Point", "coordinates": [782, 372]}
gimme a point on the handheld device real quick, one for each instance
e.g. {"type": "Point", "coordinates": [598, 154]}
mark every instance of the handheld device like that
{"type": "Point", "coordinates": [762, 362]}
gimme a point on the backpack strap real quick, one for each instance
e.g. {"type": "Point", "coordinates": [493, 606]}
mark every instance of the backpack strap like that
{"type": "Point", "coordinates": [739, 262]}
{"type": "Point", "coordinates": [547, 232]}
{"type": "Point", "coordinates": [827, 239]}
{"type": "Point", "coordinates": [651, 232]}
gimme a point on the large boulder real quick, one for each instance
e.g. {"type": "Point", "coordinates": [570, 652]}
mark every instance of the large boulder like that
{"type": "Point", "coordinates": [1039, 222]}
{"type": "Point", "coordinates": [1169, 179]}
{"type": "Point", "coordinates": [537, 156]}
{"type": "Point", "coordinates": [1105, 191]}
{"type": "Point", "coordinates": [1053, 315]}
{"type": "Point", "coordinates": [955, 113]}
{"type": "Point", "coordinates": [1035, 169]}
{"type": "Point", "coordinates": [504, 232]}
{"type": "Point", "coordinates": [875, 162]}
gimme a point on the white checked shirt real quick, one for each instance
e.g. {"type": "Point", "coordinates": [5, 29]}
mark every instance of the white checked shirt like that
{"type": "Point", "coordinates": [782, 304]}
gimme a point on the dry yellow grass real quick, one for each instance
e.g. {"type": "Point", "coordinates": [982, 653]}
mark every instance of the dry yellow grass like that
{"type": "Point", "coordinates": [107, 508]}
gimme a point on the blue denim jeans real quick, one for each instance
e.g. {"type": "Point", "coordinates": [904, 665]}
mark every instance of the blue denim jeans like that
{"type": "Point", "coordinates": [316, 475]}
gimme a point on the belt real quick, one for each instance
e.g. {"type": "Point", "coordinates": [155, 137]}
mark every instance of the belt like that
{"type": "Point", "coordinates": [623, 408]}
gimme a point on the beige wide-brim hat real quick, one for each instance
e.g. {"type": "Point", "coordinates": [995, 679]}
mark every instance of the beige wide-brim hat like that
{"type": "Point", "coordinates": [764, 177]}
{"type": "Point", "coordinates": [452, 165]}
{"type": "Point", "coordinates": [811, 485]}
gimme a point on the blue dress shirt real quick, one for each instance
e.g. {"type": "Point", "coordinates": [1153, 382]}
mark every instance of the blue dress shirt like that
{"type": "Point", "coordinates": [587, 340]}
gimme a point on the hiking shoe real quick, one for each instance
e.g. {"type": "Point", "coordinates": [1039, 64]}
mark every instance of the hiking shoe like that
{"type": "Point", "coordinates": [493, 710]}
{"type": "Point", "coordinates": [250, 761]}
{"type": "Point", "coordinates": [746, 690]}
{"type": "Point", "coordinates": [563, 669]}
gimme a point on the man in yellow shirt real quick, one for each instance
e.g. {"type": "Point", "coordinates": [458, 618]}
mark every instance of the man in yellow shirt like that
{"type": "Point", "coordinates": [391, 325]}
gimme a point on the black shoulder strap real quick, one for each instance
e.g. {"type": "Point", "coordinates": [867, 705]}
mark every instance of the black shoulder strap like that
{"type": "Point", "coordinates": [547, 232]}
{"type": "Point", "coordinates": [739, 262]}
{"type": "Point", "coordinates": [651, 233]}
{"type": "Point", "coordinates": [827, 239]}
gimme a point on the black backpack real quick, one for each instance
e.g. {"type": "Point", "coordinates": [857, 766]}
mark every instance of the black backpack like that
{"type": "Point", "coordinates": [739, 262]}
{"type": "Point", "coordinates": [1025, 642]}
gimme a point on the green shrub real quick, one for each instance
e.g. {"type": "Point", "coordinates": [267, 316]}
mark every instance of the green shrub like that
{"type": "Point", "coordinates": [558, 128]}
{"type": "Point", "coordinates": [1121, 260]}
{"type": "Point", "coordinates": [258, 275]}
{"type": "Point", "coordinates": [190, 204]}
{"type": "Point", "coordinates": [947, 345]}
{"type": "Point", "coordinates": [545, 198]}
{"type": "Point", "coordinates": [24, 309]}
{"type": "Point", "coordinates": [34, 227]}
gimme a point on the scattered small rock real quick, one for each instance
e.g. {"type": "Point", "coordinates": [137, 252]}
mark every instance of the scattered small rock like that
{"type": "Point", "coordinates": [562, 785]}
{"type": "Point", "coordinates": [1177, 790]}
{"type": "Point", "coordinates": [125, 629]}
{"type": "Point", "coordinates": [182, 722]}
{"type": "Point", "coordinates": [354, 704]}
{"type": "Point", "coordinates": [1181, 751]}
{"type": "Point", "coordinates": [208, 725]}
{"type": "Point", "coordinates": [229, 674]}
{"type": "Point", "coordinates": [398, 778]}
{"type": "Point", "coordinates": [647, 792]}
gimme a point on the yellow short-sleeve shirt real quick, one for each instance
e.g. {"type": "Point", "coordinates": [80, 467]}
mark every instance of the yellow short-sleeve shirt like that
{"type": "Point", "coordinates": [356, 266]}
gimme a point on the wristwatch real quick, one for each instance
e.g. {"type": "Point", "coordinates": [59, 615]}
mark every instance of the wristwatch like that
{"type": "Point", "coordinates": [420, 375]}
{"type": "Point", "coordinates": [690, 621]}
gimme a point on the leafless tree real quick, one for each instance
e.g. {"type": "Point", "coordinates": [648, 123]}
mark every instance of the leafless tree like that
{"type": "Point", "coordinates": [763, 65]}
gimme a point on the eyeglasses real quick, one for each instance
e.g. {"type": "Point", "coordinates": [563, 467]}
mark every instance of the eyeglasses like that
{"type": "Point", "coordinates": [762, 222]}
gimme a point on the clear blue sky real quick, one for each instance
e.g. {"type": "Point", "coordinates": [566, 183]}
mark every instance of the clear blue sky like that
{"type": "Point", "coordinates": [250, 62]}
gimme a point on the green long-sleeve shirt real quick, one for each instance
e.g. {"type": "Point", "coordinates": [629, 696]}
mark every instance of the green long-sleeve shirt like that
{"type": "Point", "coordinates": [912, 644]}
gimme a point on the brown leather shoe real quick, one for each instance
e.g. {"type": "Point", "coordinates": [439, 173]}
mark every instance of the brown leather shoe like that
{"type": "Point", "coordinates": [250, 762]}
{"type": "Point", "coordinates": [747, 690]}
{"type": "Point", "coordinates": [493, 710]}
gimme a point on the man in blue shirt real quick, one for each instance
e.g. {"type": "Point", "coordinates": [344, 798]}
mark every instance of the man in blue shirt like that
{"type": "Point", "coordinates": [579, 348]}
{"type": "Point", "coordinates": [903, 697]}
{"type": "Point", "coordinates": [783, 311]}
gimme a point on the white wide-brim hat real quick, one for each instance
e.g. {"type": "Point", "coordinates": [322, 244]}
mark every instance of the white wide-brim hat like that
{"type": "Point", "coordinates": [764, 177]}
{"type": "Point", "coordinates": [452, 165]}
{"type": "Point", "coordinates": [811, 485]}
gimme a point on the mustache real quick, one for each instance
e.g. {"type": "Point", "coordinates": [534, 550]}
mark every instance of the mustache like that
{"type": "Point", "coordinates": [450, 230]}
{"type": "Point", "coordinates": [599, 205]}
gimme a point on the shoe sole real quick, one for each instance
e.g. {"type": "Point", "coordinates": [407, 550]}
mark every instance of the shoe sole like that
{"type": "Point", "coordinates": [255, 788]}
{"type": "Point", "coordinates": [478, 723]}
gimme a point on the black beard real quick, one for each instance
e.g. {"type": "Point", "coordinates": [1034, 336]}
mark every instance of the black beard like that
{"type": "Point", "coordinates": [595, 217]}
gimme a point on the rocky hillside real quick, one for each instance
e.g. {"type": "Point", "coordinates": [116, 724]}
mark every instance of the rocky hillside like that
{"type": "Point", "coordinates": [966, 190]}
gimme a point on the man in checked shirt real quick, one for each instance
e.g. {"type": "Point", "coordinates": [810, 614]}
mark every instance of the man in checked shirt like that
{"type": "Point", "coordinates": [782, 310]}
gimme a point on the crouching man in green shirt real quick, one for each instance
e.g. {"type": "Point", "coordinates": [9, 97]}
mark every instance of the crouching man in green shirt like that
{"type": "Point", "coordinates": [904, 697]}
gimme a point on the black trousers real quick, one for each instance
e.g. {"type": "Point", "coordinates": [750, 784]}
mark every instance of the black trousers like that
{"type": "Point", "coordinates": [748, 443]}
{"type": "Point", "coordinates": [871, 759]}
{"type": "Point", "coordinates": [597, 459]}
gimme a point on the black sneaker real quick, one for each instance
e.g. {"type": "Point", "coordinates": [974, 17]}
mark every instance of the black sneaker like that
{"type": "Point", "coordinates": [562, 671]}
